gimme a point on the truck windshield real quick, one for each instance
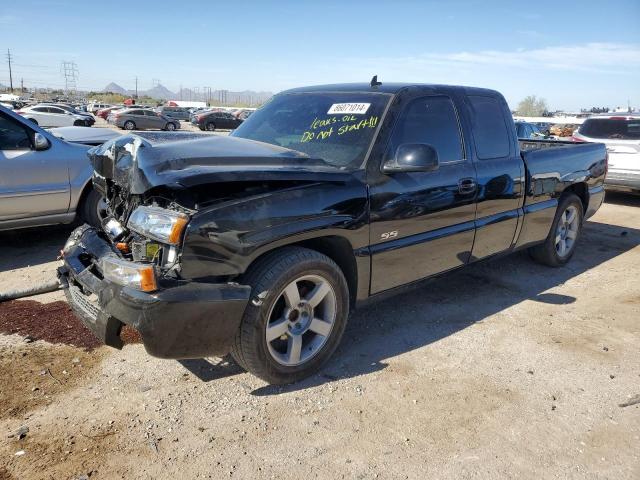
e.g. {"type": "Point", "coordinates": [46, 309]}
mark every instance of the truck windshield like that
{"type": "Point", "coordinates": [335, 127]}
{"type": "Point", "coordinates": [613, 128]}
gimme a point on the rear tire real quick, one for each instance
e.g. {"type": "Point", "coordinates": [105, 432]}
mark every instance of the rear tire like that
{"type": "Point", "coordinates": [79, 123]}
{"type": "Point", "coordinates": [560, 244]}
{"type": "Point", "coordinates": [92, 210]}
{"type": "Point", "coordinates": [33, 120]}
{"type": "Point", "coordinates": [305, 293]}
{"type": "Point", "coordinates": [170, 127]}
{"type": "Point", "coordinates": [211, 127]}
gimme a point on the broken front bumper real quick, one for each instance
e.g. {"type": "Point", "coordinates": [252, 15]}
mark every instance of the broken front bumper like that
{"type": "Point", "coordinates": [180, 320]}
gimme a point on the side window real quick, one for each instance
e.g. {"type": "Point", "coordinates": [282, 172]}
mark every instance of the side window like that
{"type": "Point", "coordinates": [489, 127]}
{"type": "Point", "coordinates": [431, 120]}
{"type": "Point", "coordinates": [55, 110]}
{"type": "Point", "coordinates": [41, 109]}
{"type": "Point", "coordinates": [13, 136]}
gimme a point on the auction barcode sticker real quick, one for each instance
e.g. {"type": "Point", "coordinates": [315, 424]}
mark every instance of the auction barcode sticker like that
{"type": "Point", "coordinates": [356, 108]}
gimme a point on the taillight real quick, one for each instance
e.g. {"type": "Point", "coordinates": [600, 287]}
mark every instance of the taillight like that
{"type": "Point", "coordinates": [576, 139]}
{"type": "Point", "coordinates": [199, 117]}
{"type": "Point", "coordinates": [19, 112]}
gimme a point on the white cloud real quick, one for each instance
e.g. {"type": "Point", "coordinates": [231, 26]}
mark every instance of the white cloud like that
{"type": "Point", "coordinates": [590, 57]}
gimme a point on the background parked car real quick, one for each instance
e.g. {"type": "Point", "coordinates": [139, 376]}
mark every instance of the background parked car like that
{"type": "Point", "coordinates": [51, 116]}
{"type": "Point", "coordinates": [213, 120]}
{"type": "Point", "coordinates": [142, 119]}
{"type": "Point", "coordinates": [104, 112]}
{"type": "Point", "coordinates": [44, 180]}
{"type": "Point", "coordinates": [526, 130]}
{"type": "Point", "coordinates": [178, 113]}
{"type": "Point", "coordinates": [621, 135]}
{"type": "Point", "coordinates": [94, 107]}
{"type": "Point", "coordinates": [88, 118]}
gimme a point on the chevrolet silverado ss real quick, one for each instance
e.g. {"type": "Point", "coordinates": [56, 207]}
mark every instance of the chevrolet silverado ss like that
{"type": "Point", "coordinates": [261, 243]}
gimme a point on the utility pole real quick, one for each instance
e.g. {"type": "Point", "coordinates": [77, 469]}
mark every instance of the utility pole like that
{"type": "Point", "coordinates": [10, 73]}
{"type": "Point", "coordinates": [22, 85]}
{"type": "Point", "coordinates": [136, 87]}
{"type": "Point", "coordinates": [70, 72]}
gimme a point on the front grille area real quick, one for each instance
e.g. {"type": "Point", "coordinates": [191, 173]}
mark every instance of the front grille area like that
{"type": "Point", "coordinates": [84, 303]}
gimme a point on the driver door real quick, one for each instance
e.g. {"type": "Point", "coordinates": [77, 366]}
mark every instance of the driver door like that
{"type": "Point", "coordinates": [423, 223]}
{"type": "Point", "coordinates": [32, 183]}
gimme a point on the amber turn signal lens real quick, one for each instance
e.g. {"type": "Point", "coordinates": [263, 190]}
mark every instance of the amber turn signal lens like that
{"type": "Point", "coordinates": [148, 280]}
{"type": "Point", "coordinates": [123, 247]}
{"type": "Point", "coordinates": [176, 231]}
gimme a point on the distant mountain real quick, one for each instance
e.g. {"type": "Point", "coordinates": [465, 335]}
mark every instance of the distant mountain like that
{"type": "Point", "coordinates": [115, 88]}
{"type": "Point", "coordinates": [159, 91]}
{"type": "Point", "coordinates": [217, 97]}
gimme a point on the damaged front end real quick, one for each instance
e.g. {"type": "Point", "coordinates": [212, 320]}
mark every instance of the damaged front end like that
{"type": "Point", "coordinates": [132, 270]}
{"type": "Point", "coordinates": [129, 272]}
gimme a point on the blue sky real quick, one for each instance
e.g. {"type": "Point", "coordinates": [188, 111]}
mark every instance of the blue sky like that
{"type": "Point", "coordinates": [572, 53]}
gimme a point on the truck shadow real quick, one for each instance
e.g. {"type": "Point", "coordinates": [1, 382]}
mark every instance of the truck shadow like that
{"type": "Point", "coordinates": [619, 198]}
{"type": "Point", "coordinates": [432, 310]}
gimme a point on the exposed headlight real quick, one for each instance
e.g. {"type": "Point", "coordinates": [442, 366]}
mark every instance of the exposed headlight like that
{"type": "Point", "coordinates": [129, 274]}
{"type": "Point", "coordinates": [165, 226]}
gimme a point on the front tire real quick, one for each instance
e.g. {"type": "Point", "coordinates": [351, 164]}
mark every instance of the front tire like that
{"type": "Point", "coordinates": [560, 244]}
{"type": "Point", "coordinates": [296, 318]}
{"type": "Point", "coordinates": [211, 127]}
{"type": "Point", "coordinates": [129, 125]}
{"type": "Point", "coordinates": [93, 209]}
{"type": "Point", "coordinates": [170, 127]}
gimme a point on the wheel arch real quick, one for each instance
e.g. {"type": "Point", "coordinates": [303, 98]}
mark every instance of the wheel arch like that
{"type": "Point", "coordinates": [581, 190]}
{"type": "Point", "coordinates": [86, 190]}
{"type": "Point", "coordinates": [338, 249]}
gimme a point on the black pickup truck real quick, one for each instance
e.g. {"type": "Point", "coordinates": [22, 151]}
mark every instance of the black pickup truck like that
{"type": "Point", "coordinates": [262, 242]}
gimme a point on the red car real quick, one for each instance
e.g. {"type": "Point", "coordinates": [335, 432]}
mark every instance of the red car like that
{"type": "Point", "coordinates": [104, 112]}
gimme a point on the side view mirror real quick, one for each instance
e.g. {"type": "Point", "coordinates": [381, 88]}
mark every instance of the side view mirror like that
{"type": "Point", "coordinates": [413, 157]}
{"type": "Point", "coordinates": [40, 142]}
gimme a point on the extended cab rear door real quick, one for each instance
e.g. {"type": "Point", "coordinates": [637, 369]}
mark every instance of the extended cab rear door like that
{"type": "Point", "coordinates": [422, 223]}
{"type": "Point", "coordinates": [500, 173]}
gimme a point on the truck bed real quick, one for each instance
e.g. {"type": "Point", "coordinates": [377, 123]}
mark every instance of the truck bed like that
{"type": "Point", "coordinates": [534, 144]}
{"type": "Point", "coordinates": [552, 166]}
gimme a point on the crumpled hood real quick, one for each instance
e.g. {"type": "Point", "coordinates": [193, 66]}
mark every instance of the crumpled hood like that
{"type": "Point", "coordinates": [137, 164]}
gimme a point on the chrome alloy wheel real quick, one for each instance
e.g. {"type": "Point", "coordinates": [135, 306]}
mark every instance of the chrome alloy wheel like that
{"type": "Point", "coordinates": [567, 231]}
{"type": "Point", "coordinates": [300, 320]}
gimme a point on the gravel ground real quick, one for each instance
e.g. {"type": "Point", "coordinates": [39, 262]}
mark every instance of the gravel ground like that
{"type": "Point", "coordinates": [504, 369]}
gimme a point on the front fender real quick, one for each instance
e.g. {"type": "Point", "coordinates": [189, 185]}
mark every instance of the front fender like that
{"type": "Point", "coordinates": [223, 240]}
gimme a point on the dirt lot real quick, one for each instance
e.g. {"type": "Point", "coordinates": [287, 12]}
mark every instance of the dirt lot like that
{"type": "Point", "coordinates": [505, 369]}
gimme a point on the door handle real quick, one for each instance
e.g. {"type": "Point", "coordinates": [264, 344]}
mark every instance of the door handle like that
{"type": "Point", "coordinates": [467, 185]}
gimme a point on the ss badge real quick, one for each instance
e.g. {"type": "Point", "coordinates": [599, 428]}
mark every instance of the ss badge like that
{"type": "Point", "coordinates": [389, 235]}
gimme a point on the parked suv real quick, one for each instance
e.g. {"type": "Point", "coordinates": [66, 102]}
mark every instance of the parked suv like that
{"type": "Point", "coordinates": [44, 180]}
{"type": "Point", "coordinates": [621, 135]}
{"type": "Point", "coordinates": [142, 119]}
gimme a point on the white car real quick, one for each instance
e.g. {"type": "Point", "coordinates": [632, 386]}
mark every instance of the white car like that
{"type": "Point", "coordinates": [51, 116]}
{"type": "Point", "coordinates": [621, 135]}
{"type": "Point", "coordinates": [94, 107]}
